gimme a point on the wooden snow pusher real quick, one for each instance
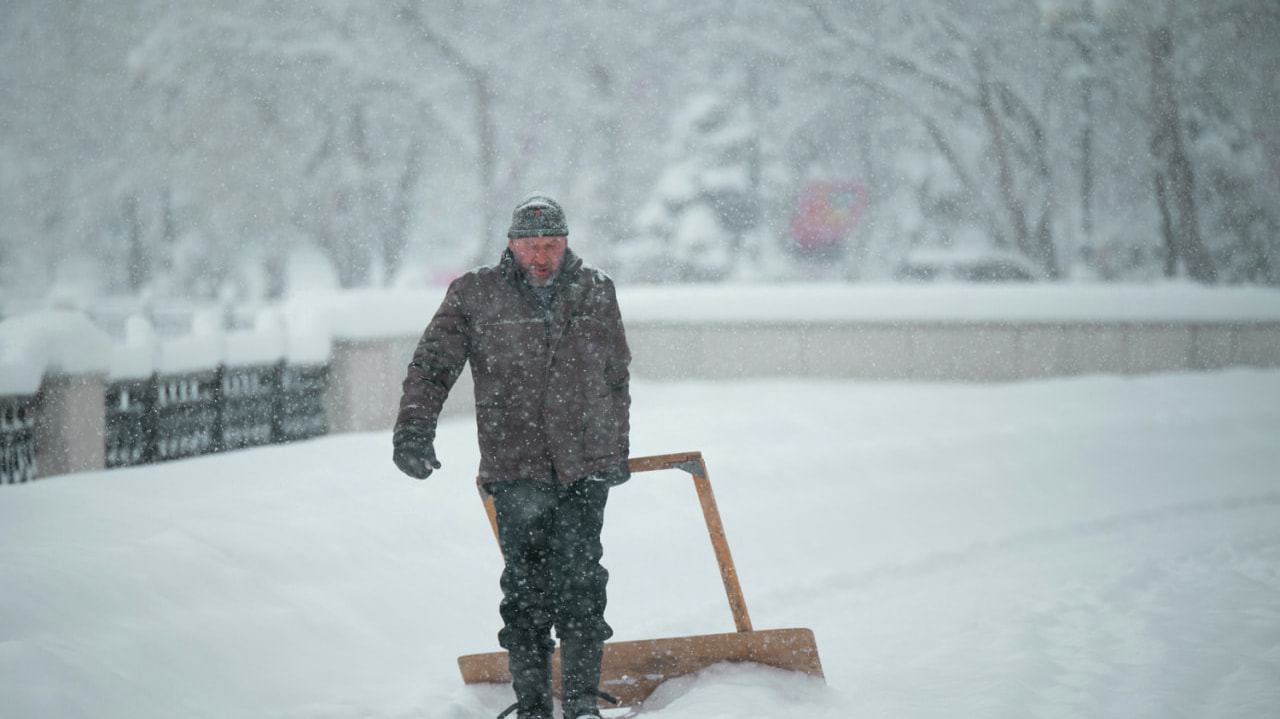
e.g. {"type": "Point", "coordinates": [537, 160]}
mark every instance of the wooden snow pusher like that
{"type": "Point", "coordinates": [632, 670]}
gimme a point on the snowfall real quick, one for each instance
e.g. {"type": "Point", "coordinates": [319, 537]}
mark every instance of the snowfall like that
{"type": "Point", "coordinates": [1092, 546]}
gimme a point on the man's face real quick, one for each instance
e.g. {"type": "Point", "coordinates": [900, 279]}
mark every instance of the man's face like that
{"type": "Point", "coordinates": [539, 257]}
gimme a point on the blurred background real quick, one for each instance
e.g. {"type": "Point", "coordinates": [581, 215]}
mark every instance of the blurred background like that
{"type": "Point", "coordinates": [230, 149]}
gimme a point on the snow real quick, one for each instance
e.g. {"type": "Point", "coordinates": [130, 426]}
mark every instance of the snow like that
{"type": "Point", "coordinates": [70, 341]}
{"type": "Point", "coordinates": [263, 344]}
{"type": "Point", "coordinates": [197, 351]}
{"type": "Point", "coordinates": [138, 355]}
{"type": "Point", "coordinates": [1085, 547]}
{"type": "Point", "coordinates": [49, 340]}
{"type": "Point", "coordinates": [948, 302]}
{"type": "Point", "coordinates": [375, 314]}
{"type": "Point", "coordinates": [308, 270]}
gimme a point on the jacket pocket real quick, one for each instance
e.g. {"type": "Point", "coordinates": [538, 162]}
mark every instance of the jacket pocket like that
{"type": "Point", "coordinates": [496, 423]}
{"type": "Point", "coordinates": [600, 427]}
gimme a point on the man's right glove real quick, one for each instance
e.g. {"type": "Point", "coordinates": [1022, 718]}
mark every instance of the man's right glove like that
{"type": "Point", "coordinates": [413, 454]}
{"type": "Point", "coordinates": [614, 477]}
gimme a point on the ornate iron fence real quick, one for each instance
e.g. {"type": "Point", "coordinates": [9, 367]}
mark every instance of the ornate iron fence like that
{"type": "Point", "coordinates": [130, 422]}
{"type": "Point", "coordinates": [17, 439]}
{"type": "Point", "coordinates": [172, 416]}
{"type": "Point", "coordinates": [247, 403]}
{"type": "Point", "coordinates": [299, 411]}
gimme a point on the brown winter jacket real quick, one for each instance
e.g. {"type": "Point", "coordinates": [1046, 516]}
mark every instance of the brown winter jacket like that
{"type": "Point", "coordinates": [552, 388]}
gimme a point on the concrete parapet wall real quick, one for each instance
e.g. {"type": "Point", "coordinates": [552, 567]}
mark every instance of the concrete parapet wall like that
{"type": "Point", "coordinates": [366, 375]}
{"type": "Point", "coordinates": [946, 351]}
{"type": "Point", "coordinates": [365, 380]}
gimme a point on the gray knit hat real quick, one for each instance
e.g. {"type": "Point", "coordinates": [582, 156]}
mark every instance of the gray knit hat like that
{"type": "Point", "coordinates": [538, 216]}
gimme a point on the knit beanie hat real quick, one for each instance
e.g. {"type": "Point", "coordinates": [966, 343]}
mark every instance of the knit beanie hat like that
{"type": "Point", "coordinates": [538, 216]}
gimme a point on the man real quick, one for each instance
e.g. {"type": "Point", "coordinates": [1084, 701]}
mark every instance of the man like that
{"type": "Point", "coordinates": [549, 359]}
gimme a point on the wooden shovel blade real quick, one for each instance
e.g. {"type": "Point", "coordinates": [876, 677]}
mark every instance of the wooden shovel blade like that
{"type": "Point", "coordinates": [632, 670]}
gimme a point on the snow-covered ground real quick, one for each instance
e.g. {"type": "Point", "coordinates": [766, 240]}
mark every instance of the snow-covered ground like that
{"type": "Point", "coordinates": [1083, 547]}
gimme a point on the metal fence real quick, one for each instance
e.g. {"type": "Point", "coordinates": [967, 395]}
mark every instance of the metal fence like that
{"type": "Point", "coordinates": [299, 412]}
{"type": "Point", "coordinates": [17, 439]}
{"type": "Point", "coordinates": [172, 416]}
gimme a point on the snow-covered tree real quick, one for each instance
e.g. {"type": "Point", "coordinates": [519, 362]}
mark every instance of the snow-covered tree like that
{"type": "Point", "coordinates": [189, 147]}
{"type": "Point", "coordinates": [704, 204]}
{"type": "Point", "coordinates": [959, 92]}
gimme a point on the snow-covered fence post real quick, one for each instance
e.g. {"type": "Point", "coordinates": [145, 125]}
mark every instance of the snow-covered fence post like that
{"type": "Point", "coordinates": [364, 388]}
{"type": "Point", "coordinates": [61, 358]}
{"type": "Point", "coordinates": [70, 428]}
{"type": "Point", "coordinates": [373, 339]}
{"type": "Point", "coordinates": [305, 371]}
{"type": "Point", "coordinates": [365, 380]}
{"type": "Point", "coordinates": [133, 392]}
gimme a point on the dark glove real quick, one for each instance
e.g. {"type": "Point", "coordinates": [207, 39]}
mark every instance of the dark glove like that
{"type": "Point", "coordinates": [614, 477]}
{"type": "Point", "coordinates": [414, 454]}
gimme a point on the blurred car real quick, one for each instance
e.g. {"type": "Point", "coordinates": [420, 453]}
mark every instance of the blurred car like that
{"type": "Point", "coordinates": [973, 265]}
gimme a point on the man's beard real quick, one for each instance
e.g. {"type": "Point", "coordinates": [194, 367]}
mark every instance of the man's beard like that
{"type": "Point", "coordinates": [533, 282]}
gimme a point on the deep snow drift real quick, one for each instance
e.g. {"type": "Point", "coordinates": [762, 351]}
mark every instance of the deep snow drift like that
{"type": "Point", "coordinates": [1083, 547]}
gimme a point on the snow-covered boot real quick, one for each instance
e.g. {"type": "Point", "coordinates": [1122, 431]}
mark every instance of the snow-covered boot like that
{"type": "Point", "coordinates": [531, 679]}
{"type": "Point", "coordinates": [580, 677]}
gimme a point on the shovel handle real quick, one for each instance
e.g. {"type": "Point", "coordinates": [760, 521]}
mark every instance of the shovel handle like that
{"type": "Point", "coordinates": [692, 463]}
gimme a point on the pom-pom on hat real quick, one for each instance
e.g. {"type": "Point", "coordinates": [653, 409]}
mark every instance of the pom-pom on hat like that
{"type": "Point", "coordinates": [538, 216]}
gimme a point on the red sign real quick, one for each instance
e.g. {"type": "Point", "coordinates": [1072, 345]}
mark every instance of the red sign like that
{"type": "Point", "coordinates": [825, 212]}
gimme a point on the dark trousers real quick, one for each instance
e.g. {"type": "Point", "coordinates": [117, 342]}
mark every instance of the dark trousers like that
{"type": "Point", "coordinates": [550, 537]}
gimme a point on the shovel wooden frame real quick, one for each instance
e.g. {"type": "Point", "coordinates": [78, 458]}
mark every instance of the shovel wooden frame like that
{"type": "Point", "coordinates": [632, 670]}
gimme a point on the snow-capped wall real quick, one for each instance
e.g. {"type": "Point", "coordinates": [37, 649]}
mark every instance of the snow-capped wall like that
{"type": "Point", "coordinates": [49, 342]}
{"type": "Point", "coordinates": [948, 303]}
{"type": "Point", "coordinates": [303, 329]}
{"type": "Point", "coordinates": [934, 332]}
